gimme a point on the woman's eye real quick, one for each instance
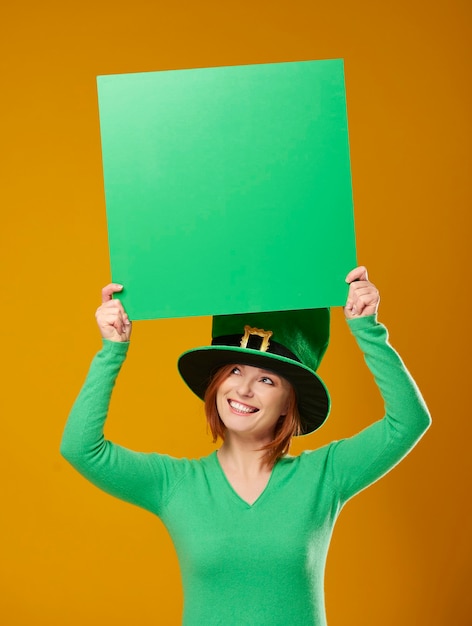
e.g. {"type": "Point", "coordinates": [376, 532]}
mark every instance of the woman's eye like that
{"type": "Point", "coordinates": [235, 370]}
{"type": "Point", "coordinates": [267, 380]}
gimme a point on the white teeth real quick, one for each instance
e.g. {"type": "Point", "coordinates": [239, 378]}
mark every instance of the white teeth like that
{"type": "Point", "coordinates": [241, 408]}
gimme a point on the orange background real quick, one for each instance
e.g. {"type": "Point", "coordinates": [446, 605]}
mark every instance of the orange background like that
{"type": "Point", "coordinates": [401, 551]}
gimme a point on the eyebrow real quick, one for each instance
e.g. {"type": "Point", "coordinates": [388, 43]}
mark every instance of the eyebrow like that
{"type": "Point", "coordinates": [261, 370]}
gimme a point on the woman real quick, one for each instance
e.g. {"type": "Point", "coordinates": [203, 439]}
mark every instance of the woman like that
{"type": "Point", "coordinates": [251, 525]}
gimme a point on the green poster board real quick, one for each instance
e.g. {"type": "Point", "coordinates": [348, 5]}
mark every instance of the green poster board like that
{"type": "Point", "coordinates": [228, 189]}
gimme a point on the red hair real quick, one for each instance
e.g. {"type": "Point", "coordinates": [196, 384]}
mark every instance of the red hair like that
{"type": "Point", "coordinates": [287, 426]}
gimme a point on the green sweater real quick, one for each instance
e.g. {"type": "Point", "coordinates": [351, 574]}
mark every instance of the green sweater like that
{"type": "Point", "coordinates": [261, 564]}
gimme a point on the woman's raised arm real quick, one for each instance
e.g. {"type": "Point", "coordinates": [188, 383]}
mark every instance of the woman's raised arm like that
{"type": "Point", "coordinates": [136, 477]}
{"type": "Point", "coordinates": [360, 460]}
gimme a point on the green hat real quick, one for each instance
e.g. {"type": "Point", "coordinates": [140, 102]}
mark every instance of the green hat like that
{"type": "Point", "coordinates": [290, 343]}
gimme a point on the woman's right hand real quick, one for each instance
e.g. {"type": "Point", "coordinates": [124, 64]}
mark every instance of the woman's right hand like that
{"type": "Point", "coordinates": [112, 319]}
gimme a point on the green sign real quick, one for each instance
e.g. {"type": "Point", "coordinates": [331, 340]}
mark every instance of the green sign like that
{"type": "Point", "coordinates": [228, 189]}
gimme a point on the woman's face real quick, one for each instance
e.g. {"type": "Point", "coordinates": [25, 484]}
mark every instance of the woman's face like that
{"type": "Point", "coordinates": [251, 400]}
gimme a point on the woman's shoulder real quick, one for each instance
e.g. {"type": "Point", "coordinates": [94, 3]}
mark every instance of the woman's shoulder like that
{"type": "Point", "coordinates": [182, 475]}
{"type": "Point", "coordinates": [308, 458]}
{"type": "Point", "coordinates": [184, 464]}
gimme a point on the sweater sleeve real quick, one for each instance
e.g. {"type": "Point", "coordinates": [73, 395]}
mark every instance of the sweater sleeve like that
{"type": "Point", "coordinates": [140, 478]}
{"type": "Point", "coordinates": [362, 459]}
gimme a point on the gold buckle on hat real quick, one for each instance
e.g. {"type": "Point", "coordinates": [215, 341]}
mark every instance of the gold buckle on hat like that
{"type": "Point", "coordinates": [265, 334]}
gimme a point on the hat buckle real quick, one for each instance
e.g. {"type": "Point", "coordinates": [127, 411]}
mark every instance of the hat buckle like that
{"type": "Point", "coordinates": [259, 332]}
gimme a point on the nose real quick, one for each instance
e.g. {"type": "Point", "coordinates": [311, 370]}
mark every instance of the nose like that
{"type": "Point", "coordinates": [244, 388]}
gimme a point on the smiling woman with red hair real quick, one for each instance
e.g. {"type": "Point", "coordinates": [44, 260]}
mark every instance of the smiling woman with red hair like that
{"type": "Point", "coordinates": [286, 427]}
{"type": "Point", "coordinates": [250, 523]}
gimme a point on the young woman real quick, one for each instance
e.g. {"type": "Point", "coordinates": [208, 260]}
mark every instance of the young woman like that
{"type": "Point", "coordinates": [251, 525]}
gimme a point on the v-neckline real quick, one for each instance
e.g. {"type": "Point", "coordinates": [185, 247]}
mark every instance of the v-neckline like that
{"type": "Point", "coordinates": [233, 491]}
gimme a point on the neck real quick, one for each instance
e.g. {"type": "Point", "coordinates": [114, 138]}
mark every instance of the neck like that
{"type": "Point", "coordinates": [242, 456]}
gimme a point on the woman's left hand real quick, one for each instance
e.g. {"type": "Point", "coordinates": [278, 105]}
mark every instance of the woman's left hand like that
{"type": "Point", "coordinates": [363, 297]}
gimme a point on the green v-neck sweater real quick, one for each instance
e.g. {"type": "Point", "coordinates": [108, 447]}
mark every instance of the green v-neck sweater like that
{"type": "Point", "coordinates": [261, 564]}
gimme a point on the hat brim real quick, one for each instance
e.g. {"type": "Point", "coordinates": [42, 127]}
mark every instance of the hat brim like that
{"type": "Point", "coordinates": [197, 367]}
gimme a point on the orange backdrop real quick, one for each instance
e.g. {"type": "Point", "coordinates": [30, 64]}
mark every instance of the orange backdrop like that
{"type": "Point", "coordinates": [70, 555]}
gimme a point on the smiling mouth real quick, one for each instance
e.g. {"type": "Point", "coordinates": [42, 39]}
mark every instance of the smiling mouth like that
{"type": "Point", "coordinates": [242, 408]}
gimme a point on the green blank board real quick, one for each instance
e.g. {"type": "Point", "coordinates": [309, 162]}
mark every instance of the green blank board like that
{"type": "Point", "coordinates": [228, 190]}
